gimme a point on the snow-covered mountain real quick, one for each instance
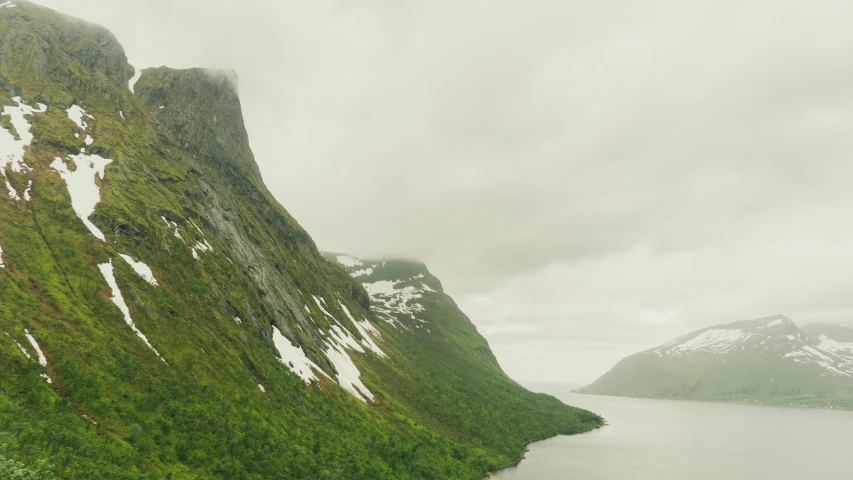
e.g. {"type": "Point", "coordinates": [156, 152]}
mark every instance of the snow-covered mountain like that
{"type": "Point", "coordinates": [396, 288]}
{"type": "Point", "coordinates": [776, 335]}
{"type": "Point", "coordinates": [768, 360]}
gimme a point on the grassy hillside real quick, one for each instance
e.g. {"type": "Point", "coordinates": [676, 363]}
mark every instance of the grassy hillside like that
{"type": "Point", "coordinates": [446, 358]}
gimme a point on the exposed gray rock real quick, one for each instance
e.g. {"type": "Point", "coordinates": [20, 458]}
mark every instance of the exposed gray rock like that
{"type": "Point", "coordinates": [190, 95]}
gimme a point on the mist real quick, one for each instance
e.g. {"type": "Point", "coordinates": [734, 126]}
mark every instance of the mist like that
{"type": "Point", "coordinates": [588, 179]}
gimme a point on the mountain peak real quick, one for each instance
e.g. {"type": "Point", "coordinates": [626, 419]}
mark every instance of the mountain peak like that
{"type": "Point", "coordinates": [726, 338]}
{"type": "Point", "coordinates": [202, 108]}
{"type": "Point", "coordinates": [47, 55]}
{"type": "Point", "coordinates": [396, 287]}
{"type": "Point", "coordinates": [776, 322]}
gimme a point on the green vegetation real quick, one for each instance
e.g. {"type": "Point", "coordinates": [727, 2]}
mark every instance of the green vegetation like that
{"type": "Point", "coordinates": [447, 359]}
{"type": "Point", "coordinates": [113, 409]}
{"type": "Point", "coordinates": [771, 364]}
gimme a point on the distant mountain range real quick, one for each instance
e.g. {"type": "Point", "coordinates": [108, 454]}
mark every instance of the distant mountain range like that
{"type": "Point", "coordinates": [767, 361]}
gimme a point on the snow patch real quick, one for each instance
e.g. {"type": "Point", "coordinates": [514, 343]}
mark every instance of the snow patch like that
{"type": "Point", "coordinates": [141, 269]}
{"type": "Point", "coordinates": [836, 358]}
{"type": "Point", "coordinates": [12, 150]}
{"type": "Point", "coordinates": [137, 72]}
{"type": "Point", "coordinates": [2, 265]}
{"type": "Point", "coordinates": [716, 341]}
{"type": "Point", "coordinates": [826, 361]}
{"type": "Point", "coordinates": [388, 299]}
{"type": "Point", "coordinates": [174, 226]}
{"type": "Point", "coordinates": [348, 376]}
{"type": "Point", "coordinates": [365, 329]}
{"type": "Point", "coordinates": [117, 298]}
{"type": "Point", "coordinates": [237, 319]}
{"type": "Point", "coordinates": [121, 114]}
{"type": "Point", "coordinates": [340, 340]}
{"type": "Point", "coordinates": [201, 246]}
{"type": "Point", "coordinates": [42, 358]}
{"type": "Point", "coordinates": [349, 262]}
{"type": "Point", "coordinates": [835, 346]}
{"type": "Point", "coordinates": [344, 339]}
{"type": "Point", "coordinates": [13, 194]}
{"type": "Point", "coordinates": [362, 273]}
{"type": "Point", "coordinates": [261, 387]}
{"type": "Point", "coordinates": [78, 116]}
{"type": "Point", "coordinates": [381, 287]}
{"type": "Point", "coordinates": [196, 248]}
{"type": "Point", "coordinates": [319, 304]}
{"type": "Point", "coordinates": [82, 185]}
{"type": "Point", "coordinates": [294, 357]}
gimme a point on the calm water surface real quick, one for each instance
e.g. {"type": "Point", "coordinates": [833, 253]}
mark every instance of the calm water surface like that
{"type": "Point", "coordinates": [673, 440]}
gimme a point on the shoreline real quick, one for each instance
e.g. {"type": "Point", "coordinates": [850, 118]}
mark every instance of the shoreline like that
{"type": "Point", "coordinates": [744, 402]}
{"type": "Point", "coordinates": [492, 471]}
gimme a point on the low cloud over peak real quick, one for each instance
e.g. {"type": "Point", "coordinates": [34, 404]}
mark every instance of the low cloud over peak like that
{"type": "Point", "coordinates": [610, 173]}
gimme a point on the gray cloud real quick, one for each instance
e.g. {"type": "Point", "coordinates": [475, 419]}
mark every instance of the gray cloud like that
{"type": "Point", "coordinates": [587, 178]}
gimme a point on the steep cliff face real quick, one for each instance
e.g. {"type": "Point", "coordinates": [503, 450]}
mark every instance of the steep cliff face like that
{"type": "Point", "coordinates": [201, 111]}
{"type": "Point", "coordinates": [201, 108]}
{"type": "Point", "coordinates": [162, 316]}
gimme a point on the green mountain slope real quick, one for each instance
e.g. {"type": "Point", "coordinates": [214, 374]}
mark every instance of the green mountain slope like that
{"type": "Point", "coordinates": [767, 361]}
{"type": "Point", "coordinates": [162, 316]}
{"type": "Point", "coordinates": [446, 358]}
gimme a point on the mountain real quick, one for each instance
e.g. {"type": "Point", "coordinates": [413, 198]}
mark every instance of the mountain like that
{"type": "Point", "coordinates": [162, 316]}
{"type": "Point", "coordinates": [446, 358]}
{"type": "Point", "coordinates": [769, 360]}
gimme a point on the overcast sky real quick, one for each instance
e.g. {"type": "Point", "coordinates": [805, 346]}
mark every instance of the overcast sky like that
{"type": "Point", "coordinates": [587, 178]}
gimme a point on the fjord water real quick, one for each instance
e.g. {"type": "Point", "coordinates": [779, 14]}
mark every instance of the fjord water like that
{"type": "Point", "coordinates": [676, 440]}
